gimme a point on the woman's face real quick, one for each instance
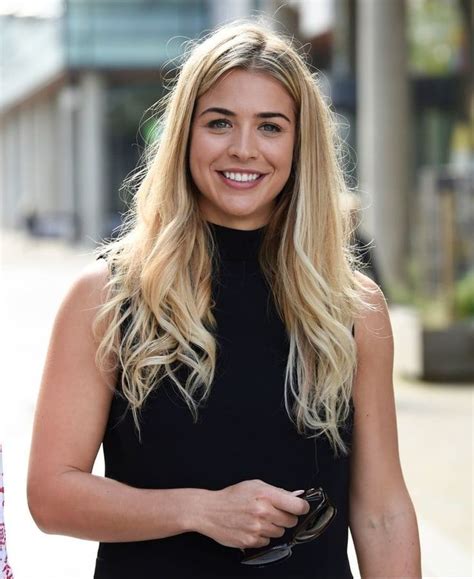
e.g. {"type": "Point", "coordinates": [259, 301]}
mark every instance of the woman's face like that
{"type": "Point", "coordinates": [242, 140]}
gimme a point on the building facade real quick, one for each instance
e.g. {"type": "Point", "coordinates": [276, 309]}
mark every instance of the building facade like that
{"type": "Point", "coordinates": [78, 84]}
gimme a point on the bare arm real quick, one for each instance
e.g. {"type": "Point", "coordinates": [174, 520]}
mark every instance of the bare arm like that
{"type": "Point", "coordinates": [71, 416]}
{"type": "Point", "coordinates": [382, 518]}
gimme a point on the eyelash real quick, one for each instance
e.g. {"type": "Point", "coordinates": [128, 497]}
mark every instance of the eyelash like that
{"type": "Point", "coordinates": [212, 125]}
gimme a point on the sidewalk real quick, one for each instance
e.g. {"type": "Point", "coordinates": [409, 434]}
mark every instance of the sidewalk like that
{"type": "Point", "coordinates": [435, 429]}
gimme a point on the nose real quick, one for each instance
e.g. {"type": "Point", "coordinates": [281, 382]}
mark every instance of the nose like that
{"type": "Point", "coordinates": [243, 145]}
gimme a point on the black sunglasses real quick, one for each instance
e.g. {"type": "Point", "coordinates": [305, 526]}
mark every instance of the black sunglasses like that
{"type": "Point", "coordinates": [311, 525]}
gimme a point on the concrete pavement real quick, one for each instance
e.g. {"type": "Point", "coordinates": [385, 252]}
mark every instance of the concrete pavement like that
{"type": "Point", "coordinates": [435, 428]}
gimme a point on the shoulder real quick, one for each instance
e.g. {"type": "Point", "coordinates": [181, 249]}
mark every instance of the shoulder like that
{"type": "Point", "coordinates": [85, 296]}
{"type": "Point", "coordinates": [90, 283]}
{"type": "Point", "coordinates": [370, 289]}
{"type": "Point", "coordinates": [373, 379]}
{"type": "Point", "coordinates": [94, 275]}
{"type": "Point", "coordinates": [372, 329]}
{"type": "Point", "coordinates": [78, 329]}
{"type": "Point", "coordinates": [374, 313]}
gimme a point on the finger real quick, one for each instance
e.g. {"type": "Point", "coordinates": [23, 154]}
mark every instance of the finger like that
{"type": "Point", "coordinates": [294, 493]}
{"type": "Point", "coordinates": [273, 526]}
{"type": "Point", "coordinates": [283, 519]}
{"type": "Point", "coordinates": [276, 531]}
{"type": "Point", "coordinates": [289, 503]}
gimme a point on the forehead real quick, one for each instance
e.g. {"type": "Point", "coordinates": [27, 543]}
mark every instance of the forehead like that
{"type": "Point", "coordinates": [242, 90]}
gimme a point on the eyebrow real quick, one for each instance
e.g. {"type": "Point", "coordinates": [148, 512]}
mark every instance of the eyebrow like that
{"type": "Point", "coordinates": [265, 115]}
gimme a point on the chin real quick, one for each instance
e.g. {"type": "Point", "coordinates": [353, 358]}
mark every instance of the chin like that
{"type": "Point", "coordinates": [239, 215]}
{"type": "Point", "coordinates": [235, 209]}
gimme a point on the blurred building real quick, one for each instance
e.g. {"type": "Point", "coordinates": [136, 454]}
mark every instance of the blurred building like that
{"type": "Point", "coordinates": [76, 84]}
{"type": "Point", "coordinates": [400, 75]}
{"type": "Point", "coordinates": [76, 81]}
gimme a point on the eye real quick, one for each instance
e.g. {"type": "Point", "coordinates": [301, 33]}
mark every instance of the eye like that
{"type": "Point", "coordinates": [271, 128]}
{"type": "Point", "coordinates": [218, 124]}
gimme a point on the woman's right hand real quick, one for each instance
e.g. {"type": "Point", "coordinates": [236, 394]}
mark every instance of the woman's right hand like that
{"type": "Point", "coordinates": [249, 513]}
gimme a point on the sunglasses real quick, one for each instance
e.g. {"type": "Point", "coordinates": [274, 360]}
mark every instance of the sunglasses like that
{"type": "Point", "coordinates": [317, 520]}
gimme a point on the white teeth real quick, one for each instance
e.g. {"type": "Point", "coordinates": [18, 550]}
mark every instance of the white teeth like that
{"type": "Point", "coordinates": [241, 176]}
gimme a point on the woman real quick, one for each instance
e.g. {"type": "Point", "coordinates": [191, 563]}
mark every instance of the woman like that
{"type": "Point", "coordinates": [220, 348]}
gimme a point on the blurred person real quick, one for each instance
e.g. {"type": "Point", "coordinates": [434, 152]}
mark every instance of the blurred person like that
{"type": "Point", "coordinates": [226, 350]}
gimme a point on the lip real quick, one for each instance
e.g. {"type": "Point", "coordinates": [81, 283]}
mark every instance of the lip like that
{"type": "Point", "coordinates": [241, 184]}
{"type": "Point", "coordinates": [244, 171]}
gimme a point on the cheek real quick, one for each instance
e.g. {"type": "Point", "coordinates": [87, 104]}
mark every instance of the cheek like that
{"type": "Point", "coordinates": [283, 159]}
{"type": "Point", "coordinates": [279, 153]}
{"type": "Point", "coordinates": [203, 152]}
{"type": "Point", "coordinates": [193, 160]}
{"type": "Point", "coordinates": [196, 159]}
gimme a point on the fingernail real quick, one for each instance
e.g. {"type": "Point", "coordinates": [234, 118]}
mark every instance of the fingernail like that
{"type": "Point", "coordinates": [298, 492]}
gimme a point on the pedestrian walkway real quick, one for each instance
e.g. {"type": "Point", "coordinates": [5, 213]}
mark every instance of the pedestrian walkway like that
{"type": "Point", "coordinates": [435, 428]}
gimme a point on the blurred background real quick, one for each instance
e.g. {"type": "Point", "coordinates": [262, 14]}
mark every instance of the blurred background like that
{"type": "Point", "coordinates": [77, 78]}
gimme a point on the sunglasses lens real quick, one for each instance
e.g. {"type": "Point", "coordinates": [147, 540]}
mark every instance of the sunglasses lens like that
{"type": "Point", "coordinates": [266, 558]}
{"type": "Point", "coordinates": [316, 524]}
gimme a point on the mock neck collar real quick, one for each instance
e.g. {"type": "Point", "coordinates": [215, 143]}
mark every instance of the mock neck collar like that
{"type": "Point", "coordinates": [237, 244]}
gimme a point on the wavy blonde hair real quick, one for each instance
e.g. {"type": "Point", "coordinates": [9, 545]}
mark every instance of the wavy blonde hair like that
{"type": "Point", "coordinates": [159, 307]}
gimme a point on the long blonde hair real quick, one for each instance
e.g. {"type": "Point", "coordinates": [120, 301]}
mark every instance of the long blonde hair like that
{"type": "Point", "coordinates": [159, 306]}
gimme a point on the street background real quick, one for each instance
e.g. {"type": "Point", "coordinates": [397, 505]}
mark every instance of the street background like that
{"type": "Point", "coordinates": [77, 80]}
{"type": "Point", "coordinates": [434, 423]}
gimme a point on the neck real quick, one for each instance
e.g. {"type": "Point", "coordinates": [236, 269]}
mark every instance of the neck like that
{"type": "Point", "coordinates": [237, 244]}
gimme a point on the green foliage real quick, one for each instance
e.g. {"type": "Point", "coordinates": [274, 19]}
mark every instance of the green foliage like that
{"type": "Point", "coordinates": [436, 311]}
{"type": "Point", "coordinates": [408, 293]}
{"type": "Point", "coordinates": [464, 296]}
{"type": "Point", "coordinates": [435, 36]}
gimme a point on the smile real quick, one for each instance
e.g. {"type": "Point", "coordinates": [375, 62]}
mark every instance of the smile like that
{"type": "Point", "coordinates": [241, 180]}
{"type": "Point", "coordinates": [241, 176]}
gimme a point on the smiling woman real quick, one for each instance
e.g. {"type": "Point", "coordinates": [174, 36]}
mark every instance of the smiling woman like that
{"type": "Point", "coordinates": [225, 351]}
{"type": "Point", "coordinates": [242, 140]}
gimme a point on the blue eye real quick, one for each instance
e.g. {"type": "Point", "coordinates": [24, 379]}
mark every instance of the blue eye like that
{"type": "Point", "coordinates": [218, 124]}
{"type": "Point", "coordinates": [273, 128]}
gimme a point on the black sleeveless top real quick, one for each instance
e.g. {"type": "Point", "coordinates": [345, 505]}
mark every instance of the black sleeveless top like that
{"type": "Point", "coordinates": [243, 432]}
